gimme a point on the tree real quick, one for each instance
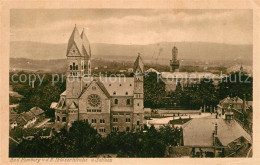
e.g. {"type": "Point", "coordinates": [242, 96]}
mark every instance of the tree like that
{"type": "Point", "coordinates": [154, 91]}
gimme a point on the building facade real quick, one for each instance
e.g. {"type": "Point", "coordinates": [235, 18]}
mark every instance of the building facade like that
{"type": "Point", "coordinates": [109, 104]}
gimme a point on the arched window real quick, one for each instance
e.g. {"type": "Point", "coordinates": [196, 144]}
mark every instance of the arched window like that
{"type": "Point", "coordinates": [116, 101]}
{"type": "Point", "coordinates": [126, 93]}
{"type": "Point", "coordinates": [85, 66]}
{"type": "Point", "coordinates": [70, 67]}
{"type": "Point", "coordinates": [64, 119]}
{"type": "Point", "coordinates": [58, 118]}
{"type": "Point", "coordinates": [128, 101]}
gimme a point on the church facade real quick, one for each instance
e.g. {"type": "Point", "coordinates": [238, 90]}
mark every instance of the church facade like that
{"type": "Point", "coordinates": [109, 104]}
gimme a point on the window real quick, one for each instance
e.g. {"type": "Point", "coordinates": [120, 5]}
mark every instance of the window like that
{"type": "Point", "coordinates": [85, 120]}
{"type": "Point", "coordinates": [130, 85]}
{"type": "Point", "coordinates": [102, 120]}
{"type": "Point", "coordinates": [70, 67]}
{"type": "Point", "coordinates": [138, 104]}
{"type": "Point", "coordinates": [88, 110]}
{"type": "Point", "coordinates": [138, 122]}
{"type": "Point", "coordinates": [73, 51]}
{"type": "Point", "coordinates": [64, 119]}
{"type": "Point", "coordinates": [127, 129]}
{"type": "Point", "coordinates": [109, 84]}
{"type": "Point", "coordinates": [121, 113]}
{"type": "Point", "coordinates": [120, 85]}
{"type": "Point", "coordinates": [73, 66]}
{"type": "Point", "coordinates": [116, 101]}
{"type": "Point", "coordinates": [85, 66]}
{"type": "Point", "coordinates": [58, 118]}
{"type": "Point", "coordinates": [137, 114]}
{"type": "Point", "coordinates": [126, 93]}
{"type": "Point", "coordinates": [94, 110]}
{"type": "Point", "coordinates": [98, 110]}
{"type": "Point", "coordinates": [114, 93]}
{"type": "Point", "coordinates": [94, 100]}
{"type": "Point", "coordinates": [102, 129]}
{"type": "Point", "coordinates": [94, 120]}
{"type": "Point", "coordinates": [115, 129]}
{"type": "Point", "coordinates": [115, 120]}
{"type": "Point", "coordinates": [128, 101]}
{"type": "Point", "coordinates": [127, 120]}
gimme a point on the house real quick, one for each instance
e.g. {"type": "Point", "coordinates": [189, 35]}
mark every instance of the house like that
{"type": "Point", "coordinates": [26, 119]}
{"type": "Point", "coordinates": [38, 113]}
{"type": "Point", "coordinates": [214, 137]}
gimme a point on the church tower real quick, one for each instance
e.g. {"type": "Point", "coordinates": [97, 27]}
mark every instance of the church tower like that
{"type": "Point", "coordinates": [174, 63]}
{"type": "Point", "coordinates": [78, 64]}
{"type": "Point", "coordinates": [138, 93]}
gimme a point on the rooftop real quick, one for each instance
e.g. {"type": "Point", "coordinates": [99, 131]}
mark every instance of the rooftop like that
{"type": "Point", "coordinates": [198, 132]}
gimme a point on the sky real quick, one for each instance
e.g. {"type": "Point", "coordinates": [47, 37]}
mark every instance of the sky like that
{"type": "Point", "coordinates": [133, 26]}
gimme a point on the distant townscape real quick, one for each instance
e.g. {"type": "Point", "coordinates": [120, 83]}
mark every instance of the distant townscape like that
{"type": "Point", "coordinates": [90, 107]}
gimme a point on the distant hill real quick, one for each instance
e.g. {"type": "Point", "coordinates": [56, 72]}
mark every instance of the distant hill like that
{"type": "Point", "coordinates": [152, 52]}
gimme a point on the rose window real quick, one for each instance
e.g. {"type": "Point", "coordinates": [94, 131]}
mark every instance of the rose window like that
{"type": "Point", "coordinates": [94, 100]}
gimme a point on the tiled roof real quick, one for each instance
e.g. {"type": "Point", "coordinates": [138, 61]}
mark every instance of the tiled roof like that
{"type": "Point", "coordinates": [123, 86]}
{"type": "Point", "coordinates": [28, 116]}
{"type": "Point", "coordinates": [198, 132]}
{"type": "Point", "coordinates": [36, 111]}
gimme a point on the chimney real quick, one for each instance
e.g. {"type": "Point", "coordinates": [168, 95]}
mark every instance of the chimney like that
{"type": "Point", "coordinates": [216, 129]}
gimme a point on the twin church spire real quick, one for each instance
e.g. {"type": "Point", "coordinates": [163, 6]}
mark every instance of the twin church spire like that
{"type": "Point", "coordinates": [80, 41]}
{"type": "Point", "coordinates": [79, 56]}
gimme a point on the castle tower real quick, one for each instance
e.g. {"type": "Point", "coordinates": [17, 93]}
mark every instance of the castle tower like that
{"type": "Point", "coordinates": [138, 93]}
{"type": "Point", "coordinates": [174, 63]}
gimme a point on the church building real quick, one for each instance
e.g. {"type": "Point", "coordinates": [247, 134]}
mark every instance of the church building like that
{"type": "Point", "coordinates": [109, 104]}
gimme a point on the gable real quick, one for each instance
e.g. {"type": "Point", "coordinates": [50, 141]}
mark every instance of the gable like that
{"type": "Point", "coordinates": [73, 50]}
{"type": "Point", "coordinates": [94, 88]}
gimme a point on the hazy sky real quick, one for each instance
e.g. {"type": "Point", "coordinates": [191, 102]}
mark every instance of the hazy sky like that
{"type": "Point", "coordinates": [133, 26]}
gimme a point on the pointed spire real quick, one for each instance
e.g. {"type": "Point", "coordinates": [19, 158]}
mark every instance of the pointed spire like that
{"type": "Point", "coordinates": [139, 63]}
{"type": "Point", "coordinates": [75, 39]}
{"type": "Point", "coordinates": [85, 42]}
